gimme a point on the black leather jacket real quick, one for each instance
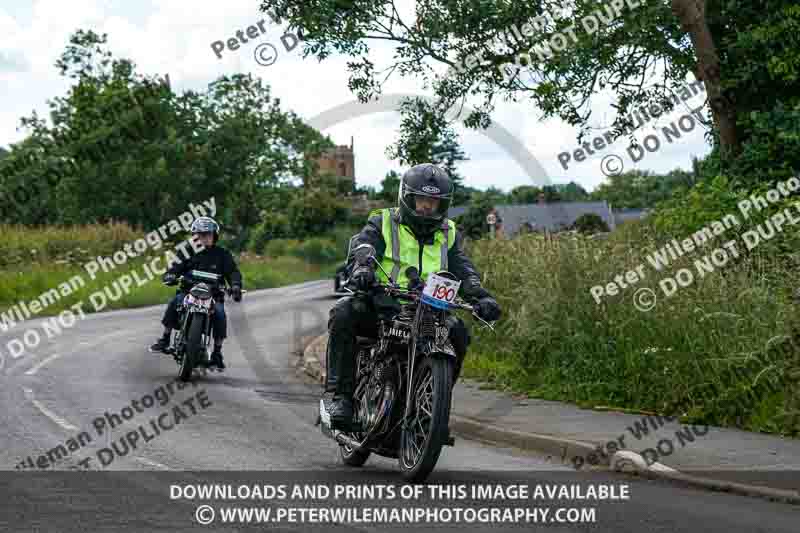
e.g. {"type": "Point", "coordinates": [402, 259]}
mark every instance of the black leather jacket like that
{"type": "Point", "coordinates": [215, 259]}
{"type": "Point", "coordinates": [457, 261]}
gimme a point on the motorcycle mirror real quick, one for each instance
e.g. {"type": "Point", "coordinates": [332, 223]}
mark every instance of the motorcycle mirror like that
{"type": "Point", "coordinates": [364, 254]}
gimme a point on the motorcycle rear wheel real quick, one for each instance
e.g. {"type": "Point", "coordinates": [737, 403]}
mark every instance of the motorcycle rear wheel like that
{"type": "Point", "coordinates": [421, 443]}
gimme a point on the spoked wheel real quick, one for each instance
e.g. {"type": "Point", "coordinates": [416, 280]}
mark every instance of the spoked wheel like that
{"type": "Point", "coordinates": [422, 440]}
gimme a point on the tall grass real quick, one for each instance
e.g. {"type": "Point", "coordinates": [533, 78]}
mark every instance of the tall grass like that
{"type": "Point", "coordinates": [36, 260]}
{"type": "Point", "coordinates": [21, 245]}
{"type": "Point", "coordinates": [720, 350]}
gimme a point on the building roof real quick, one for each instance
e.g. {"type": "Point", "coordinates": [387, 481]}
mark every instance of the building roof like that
{"type": "Point", "coordinates": [622, 215]}
{"type": "Point", "coordinates": [552, 216]}
{"type": "Point", "coordinates": [454, 212]}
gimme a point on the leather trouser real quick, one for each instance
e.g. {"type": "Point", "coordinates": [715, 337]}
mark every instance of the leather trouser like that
{"type": "Point", "coordinates": [353, 316]}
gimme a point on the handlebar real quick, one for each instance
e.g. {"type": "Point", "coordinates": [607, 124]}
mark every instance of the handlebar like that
{"type": "Point", "coordinates": [408, 294]}
{"type": "Point", "coordinates": [180, 279]}
{"type": "Point", "coordinates": [416, 295]}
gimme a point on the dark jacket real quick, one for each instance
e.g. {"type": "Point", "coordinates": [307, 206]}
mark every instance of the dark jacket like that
{"type": "Point", "coordinates": [457, 261]}
{"type": "Point", "coordinates": [215, 259]}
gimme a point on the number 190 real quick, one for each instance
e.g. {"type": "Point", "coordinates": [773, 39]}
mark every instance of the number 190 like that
{"type": "Point", "coordinates": [443, 293]}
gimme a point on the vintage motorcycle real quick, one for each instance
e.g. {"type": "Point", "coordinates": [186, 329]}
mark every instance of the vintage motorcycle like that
{"type": "Point", "coordinates": [404, 378]}
{"type": "Point", "coordinates": [191, 341]}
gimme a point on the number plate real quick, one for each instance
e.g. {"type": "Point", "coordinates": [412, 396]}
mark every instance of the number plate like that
{"type": "Point", "coordinates": [191, 300]}
{"type": "Point", "coordinates": [439, 291]}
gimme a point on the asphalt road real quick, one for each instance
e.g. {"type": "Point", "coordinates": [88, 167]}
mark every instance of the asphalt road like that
{"type": "Point", "coordinates": [253, 425]}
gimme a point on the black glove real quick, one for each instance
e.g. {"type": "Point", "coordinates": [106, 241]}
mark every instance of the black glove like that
{"type": "Point", "coordinates": [236, 292]}
{"type": "Point", "coordinates": [488, 309]}
{"type": "Point", "coordinates": [169, 278]}
{"type": "Point", "coordinates": [363, 278]}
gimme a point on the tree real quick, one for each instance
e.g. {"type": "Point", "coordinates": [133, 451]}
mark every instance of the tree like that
{"type": "Point", "coordinates": [723, 44]}
{"type": "Point", "coordinates": [426, 137]}
{"type": "Point", "coordinates": [637, 188]}
{"type": "Point", "coordinates": [390, 186]}
{"type": "Point", "coordinates": [314, 212]}
{"type": "Point", "coordinates": [572, 192]}
{"type": "Point", "coordinates": [551, 194]}
{"type": "Point", "coordinates": [123, 146]}
{"type": "Point", "coordinates": [473, 222]}
{"type": "Point", "coordinates": [524, 194]}
{"type": "Point", "coordinates": [492, 194]}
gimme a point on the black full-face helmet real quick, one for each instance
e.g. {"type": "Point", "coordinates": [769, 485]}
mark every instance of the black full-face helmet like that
{"type": "Point", "coordinates": [424, 180]}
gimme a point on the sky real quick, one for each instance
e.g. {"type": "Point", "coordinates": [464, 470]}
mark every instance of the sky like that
{"type": "Point", "coordinates": [176, 36]}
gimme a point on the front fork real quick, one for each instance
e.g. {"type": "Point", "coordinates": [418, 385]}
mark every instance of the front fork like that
{"type": "Point", "coordinates": [180, 334]}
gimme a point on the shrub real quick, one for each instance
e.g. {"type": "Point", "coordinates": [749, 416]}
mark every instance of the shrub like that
{"type": "Point", "coordinates": [317, 251]}
{"type": "Point", "coordinates": [273, 226]}
{"type": "Point", "coordinates": [280, 247]}
{"type": "Point", "coordinates": [590, 223]}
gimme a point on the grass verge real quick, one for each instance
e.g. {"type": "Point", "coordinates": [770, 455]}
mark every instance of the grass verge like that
{"type": "Point", "coordinates": [30, 283]}
{"type": "Point", "coordinates": [721, 350]}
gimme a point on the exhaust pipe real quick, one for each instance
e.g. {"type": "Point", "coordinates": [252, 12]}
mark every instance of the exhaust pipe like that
{"type": "Point", "coordinates": [324, 421]}
{"type": "Point", "coordinates": [341, 438]}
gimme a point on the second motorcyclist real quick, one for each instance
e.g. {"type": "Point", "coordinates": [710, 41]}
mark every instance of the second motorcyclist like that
{"type": "Point", "coordinates": [214, 259]}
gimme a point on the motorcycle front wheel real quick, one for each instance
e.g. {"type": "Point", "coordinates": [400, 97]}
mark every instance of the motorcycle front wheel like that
{"type": "Point", "coordinates": [194, 345]}
{"type": "Point", "coordinates": [421, 442]}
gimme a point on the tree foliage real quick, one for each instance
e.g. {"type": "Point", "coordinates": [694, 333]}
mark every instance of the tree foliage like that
{"type": "Point", "coordinates": [123, 146]}
{"type": "Point", "coordinates": [390, 186]}
{"type": "Point", "coordinates": [426, 137]}
{"type": "Point", "coordinates": [473, 222]}
{"type": "Point", "coordinates": [642, 188]}
{"type": "Point", "coordinates": [745, 53]}
{"type": "Point", "coordinates": [590, 223]}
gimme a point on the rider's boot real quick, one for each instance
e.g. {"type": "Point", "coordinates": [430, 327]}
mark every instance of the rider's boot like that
{"type": "Point", "coordinates": [162, 345]}
{"type": "Point", "coordinates": [216, 358]}
{"type": "Point", "coordinates": [341, 411]}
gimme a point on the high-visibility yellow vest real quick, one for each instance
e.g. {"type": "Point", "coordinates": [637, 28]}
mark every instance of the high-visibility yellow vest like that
{"type": "Point", "coordinates": [403, 249]}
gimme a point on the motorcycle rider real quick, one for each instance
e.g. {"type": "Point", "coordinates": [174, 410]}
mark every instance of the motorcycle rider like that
{"type": "Point", "coordinates": [424, 239]}
{"type": "Point", "coordinates": [211, 258]}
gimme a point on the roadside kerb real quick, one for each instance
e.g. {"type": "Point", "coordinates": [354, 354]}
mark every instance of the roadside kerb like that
{"type": "Point", "coordinates": [563, 449]}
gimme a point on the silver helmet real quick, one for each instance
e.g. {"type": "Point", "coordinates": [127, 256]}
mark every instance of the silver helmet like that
{"type": "Point", "coordinates": [206, 225]}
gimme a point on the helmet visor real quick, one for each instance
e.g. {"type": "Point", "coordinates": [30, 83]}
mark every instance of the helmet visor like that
{"type": "Point", "coordinates": [205, 225]}
{"type": "Point", "coordinates": [426, 206]}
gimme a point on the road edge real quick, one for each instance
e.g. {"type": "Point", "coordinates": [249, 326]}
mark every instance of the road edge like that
{"type": "Point", "coordinates": [560, 448]}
